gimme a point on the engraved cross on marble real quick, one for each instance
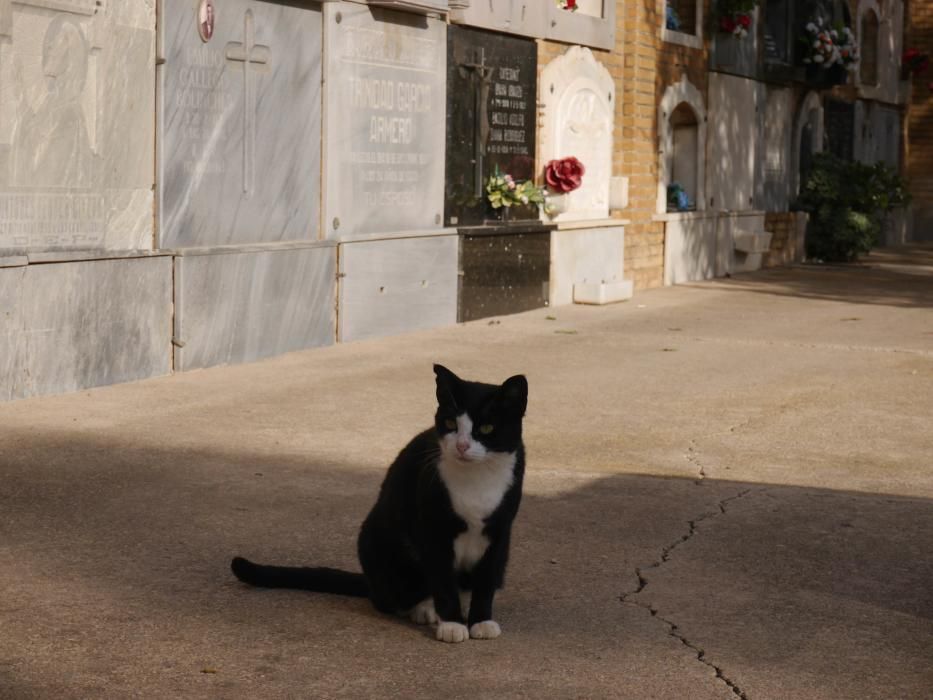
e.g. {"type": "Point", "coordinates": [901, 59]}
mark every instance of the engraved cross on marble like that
{"type": "Point", "coordinates": [253, 56]}
{"type": "Point", "coordinates": [482, 78]}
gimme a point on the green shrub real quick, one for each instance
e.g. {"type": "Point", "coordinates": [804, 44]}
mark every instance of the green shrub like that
{"type": "Point", "coordinates": [847, 201]}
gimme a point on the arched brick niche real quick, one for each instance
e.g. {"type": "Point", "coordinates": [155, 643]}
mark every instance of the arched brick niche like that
{"type": "Point", "coordinates": [681, 124]}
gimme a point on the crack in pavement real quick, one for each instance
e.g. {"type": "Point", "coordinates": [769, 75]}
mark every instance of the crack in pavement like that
{"type": "Point", "coordinates": [666, 552]}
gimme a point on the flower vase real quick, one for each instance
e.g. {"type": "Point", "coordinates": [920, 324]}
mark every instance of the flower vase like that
{"type": "Point", "coordinates": [555, 204]}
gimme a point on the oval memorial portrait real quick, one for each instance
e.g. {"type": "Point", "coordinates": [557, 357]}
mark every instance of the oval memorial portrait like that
{"type": "Point", "coordinates": [206, 19]}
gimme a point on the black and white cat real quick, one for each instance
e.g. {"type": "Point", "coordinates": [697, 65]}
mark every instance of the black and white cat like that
{"type": "Point", "coordinates": [436, 543]}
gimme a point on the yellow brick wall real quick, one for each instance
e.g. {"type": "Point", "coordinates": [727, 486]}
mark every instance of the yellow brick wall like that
{"type": "Point", "coordinates": [642, 66]}
{"type": "Point", "coordinates": [785, 244]}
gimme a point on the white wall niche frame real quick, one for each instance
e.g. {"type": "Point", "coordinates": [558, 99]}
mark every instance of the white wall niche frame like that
{"type": "Point", "coordinates": [695, 40]}
{"type": "Point", "coordinates": [578, 95]}
{"type": "Point", "coordinates": [810, 112]}
{"type": "Point", "coordinates": [681, 92]}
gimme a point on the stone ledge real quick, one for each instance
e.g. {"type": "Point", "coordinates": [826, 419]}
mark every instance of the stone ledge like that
{"type": "Point", "coordinates": [685, 215]}
{"type": "Point", "coordinates": [603, 292]}
{"type": "Point", "coordinates": [392, 235]}
{"type": "Point", "coordinates": [63, 256]}
{"type": "Point", "coordinates": [247, 248]}
{"type": "Point", "coordinates": [592, 223]}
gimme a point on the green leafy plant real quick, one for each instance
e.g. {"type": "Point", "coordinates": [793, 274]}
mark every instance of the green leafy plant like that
{"type": "Point", "coordinates": [847, 202]}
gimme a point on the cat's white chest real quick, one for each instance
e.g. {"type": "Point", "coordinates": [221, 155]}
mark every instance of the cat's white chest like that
{"type": "Point", "coordinates": [476, 490]}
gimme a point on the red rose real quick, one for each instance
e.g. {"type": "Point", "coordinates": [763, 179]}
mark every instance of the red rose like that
{"type": "Point", "coordinates": [564, 175]}
{"type": "Point", "coordinates": [571, 4]}
{"type": "Point", "coordinates": [745, 21]}
{"type": "Point", "coordinates": [727, 24]}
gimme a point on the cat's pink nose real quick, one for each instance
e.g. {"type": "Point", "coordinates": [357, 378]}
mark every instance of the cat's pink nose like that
{"type": "Point", "coordinates": [463, 446]}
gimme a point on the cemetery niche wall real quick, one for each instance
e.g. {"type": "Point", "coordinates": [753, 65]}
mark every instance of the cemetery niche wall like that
{"type": "Point", "coordinates": [77, 271]}
{"type": "Point", "coordinates": [504, 253]}
{"type": "Point", "coordinates": [384, 96]}
{"type": "Point", "coordinates": [239, 178]}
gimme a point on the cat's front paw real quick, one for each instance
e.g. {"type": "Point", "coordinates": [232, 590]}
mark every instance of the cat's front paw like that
{"type": "Point", "coordinates": [452, 632]}
{"type": "Point", "coordinates": [488, 629]}
{"type": "Point", "coordinates": [423, 613]}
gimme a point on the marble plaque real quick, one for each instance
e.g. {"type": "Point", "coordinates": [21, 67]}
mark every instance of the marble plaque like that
{"type": "Point", "coordinates": [522, 17]}
{"type": "Point", "coordinates": [491, 109]}
{"type": "Point", "coordinates": [240, 124]}
{"type": "Point", "coordinates": [593, 23]}
{"type": "Point", "coordinates": [503, 273]}
{"type": "Point", "coordinates": [878, 130]}
{"type": "Point", "coordinates": [75, 325]}
{"type": "Point", "coordinates": [578, 94]}
{"type": "Point", "coordinates": [244, 306]}
{"type": "Point", "coordinates": [735, 55]}
{"type": "Point", "coordinates": [776, 134]}
{"type": "Point", "coordinates": [384, 136]}
{"type": "Point", "coordinates": [77, 96]}
{"type": "Point", "coordinates": [734, 141]}
{"type": "Point", "coordinates": [397, 285]}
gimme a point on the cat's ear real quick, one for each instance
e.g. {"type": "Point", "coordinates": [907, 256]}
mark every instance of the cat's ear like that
{"type": "Point", "coordinates": [447, 383]}
{"type": "Point", "coordinates": [513, 395]}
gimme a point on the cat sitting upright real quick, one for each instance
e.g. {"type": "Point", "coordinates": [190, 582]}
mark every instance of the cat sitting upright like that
{"type": "Point", "coordinates": [436, 543]}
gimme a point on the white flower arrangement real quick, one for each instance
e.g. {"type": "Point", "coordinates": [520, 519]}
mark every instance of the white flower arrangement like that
{"type": "Point", "coordinates": [828, 46]}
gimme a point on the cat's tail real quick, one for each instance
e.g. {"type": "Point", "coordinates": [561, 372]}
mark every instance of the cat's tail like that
{"type": "Point", "coordinates": [320, 579]}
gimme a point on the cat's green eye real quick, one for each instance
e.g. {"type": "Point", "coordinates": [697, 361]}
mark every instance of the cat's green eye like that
{"type": "Point", "coordinates": [451, 424]}
{"type": "Point", "coordinates": [485, 429]}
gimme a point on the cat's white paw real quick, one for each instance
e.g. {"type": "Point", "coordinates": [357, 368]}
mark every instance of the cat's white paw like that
{"type": "Point", "coordinates": [452, 632]}
{"type": "Point", "coordinates": [488, 629]}
{"type": "Point", "coordinates": [423, 613]}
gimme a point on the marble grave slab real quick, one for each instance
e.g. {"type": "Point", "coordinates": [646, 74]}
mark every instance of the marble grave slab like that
{"type": "Point", "coordinates": [503, 273]}
{"type": "Point", "coordinates": [491, 112]}
{"type": "Point", "coordinates": [244, 306]}
{"type": "Point", "coordinates": [240, 123]}
{"type": "Point", "coordinates": [385, 79]}
{"type": "Point", "coordinates": [77, 95]}
{"type": "Point", "coordinates": [397, 286]}
{"type": "Point", "coordinates": [734, 141]}
{"type": "Point", "coordinates": [76, 325]}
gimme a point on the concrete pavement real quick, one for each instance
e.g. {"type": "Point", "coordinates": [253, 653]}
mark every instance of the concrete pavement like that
{"type": "Point", "coordinates": [729, 495]}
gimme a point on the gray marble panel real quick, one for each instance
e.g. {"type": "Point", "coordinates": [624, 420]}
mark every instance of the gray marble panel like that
{"type": "Point", "coordinates": [593, 24]}
{"type": "Point", "coordinates": [396, 286]}
{"type": "Point", "coordinates": [522, 17]}
{"type": "Point", "coordinates": [240, 124]}
{"type": "Point", "coordinates": [385, 121]}
{"type": "Point", "coordinates": [77, 95]}
{"type": "Point", "coordinates": [244, 306]}
{"type": "Point", "coordinates": [71, 326]}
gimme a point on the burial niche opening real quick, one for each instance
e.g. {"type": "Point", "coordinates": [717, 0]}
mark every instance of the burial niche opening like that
{"type": "Point", "coordinates": [681, 16]}
{"type": "Point", "coordinates": [868, 67]}
{"type": "Point", "coordinates": [685, 144]}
